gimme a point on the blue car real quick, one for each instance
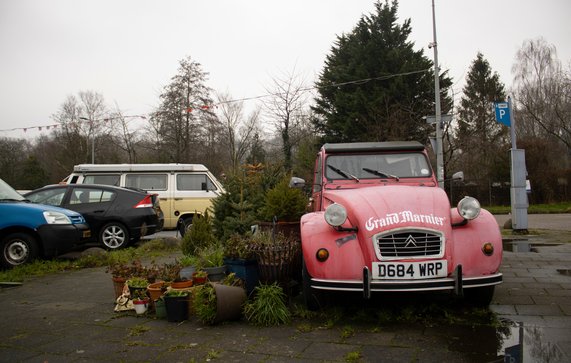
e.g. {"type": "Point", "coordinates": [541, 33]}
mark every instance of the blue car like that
{"type": "Point", "coordinates": [28, 230]}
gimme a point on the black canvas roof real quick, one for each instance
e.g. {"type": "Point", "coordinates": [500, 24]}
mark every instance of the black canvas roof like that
{"type": "Point", "coordinates": [373, 146]}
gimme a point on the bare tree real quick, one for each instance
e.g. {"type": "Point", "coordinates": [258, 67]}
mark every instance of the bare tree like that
{"type": "Point", "coordinates": [238, 132]}
{"type": "Point", "coordinates": [542, 92]}
{"type": "Point", "coordinates": [287, 108]}
{"type": "Point", "coordinates": [80, 119]}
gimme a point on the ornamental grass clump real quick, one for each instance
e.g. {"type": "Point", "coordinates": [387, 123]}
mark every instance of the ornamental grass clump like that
{"type": "Point", "coordinates": [268, 307]}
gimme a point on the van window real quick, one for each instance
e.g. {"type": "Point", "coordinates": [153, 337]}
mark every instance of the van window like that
{"type": "Point", "coordinates": [146, 181]}
{"type": "Point", "coordinates": [112, 179]}
{"type": "Point", "coordinates": [194, 182]}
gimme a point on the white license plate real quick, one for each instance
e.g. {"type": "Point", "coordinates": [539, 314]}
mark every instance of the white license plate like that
{"type": "Point", "coordinates": [410, 270]}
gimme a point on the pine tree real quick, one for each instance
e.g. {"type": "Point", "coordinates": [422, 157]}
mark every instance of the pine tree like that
{"type": "Point", "coordinates": [375, 86]}
{"type": "Point", "coordinates": [482, 140]}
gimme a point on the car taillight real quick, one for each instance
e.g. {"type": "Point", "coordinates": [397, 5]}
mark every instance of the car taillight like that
{"type": "Point", "coordinates": [147, 202]}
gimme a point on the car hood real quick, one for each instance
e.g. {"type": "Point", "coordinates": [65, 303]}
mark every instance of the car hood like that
{"type": "Point", "coordinates": [374, 209]}
{"type": "Point", "coordinates": [40, 208]}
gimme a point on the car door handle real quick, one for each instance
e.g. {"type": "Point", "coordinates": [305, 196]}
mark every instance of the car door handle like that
{"type": "Point", "coordinates": [98, 211]}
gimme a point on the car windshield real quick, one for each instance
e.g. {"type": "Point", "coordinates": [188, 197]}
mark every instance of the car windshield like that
{"type": "Point", "coordinates": [377, 166]}
{"type": "Point", "coordinates": [8, 193]}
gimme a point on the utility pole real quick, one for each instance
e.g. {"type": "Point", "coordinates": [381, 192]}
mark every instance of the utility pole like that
{"type": "Point", "coordinates": [438, 116]}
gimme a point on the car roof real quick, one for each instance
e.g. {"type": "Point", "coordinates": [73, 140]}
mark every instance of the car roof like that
{"type": "Point", "coordinates": [332, 148]}
{"type": "Point", "coordinates": [98, 186]}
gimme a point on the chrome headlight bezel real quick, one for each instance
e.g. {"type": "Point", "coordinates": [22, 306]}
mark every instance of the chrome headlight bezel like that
{"type": "Point", "coordinates": [335, 215]}
{"type": "Point", "coordinates": [469, 208]}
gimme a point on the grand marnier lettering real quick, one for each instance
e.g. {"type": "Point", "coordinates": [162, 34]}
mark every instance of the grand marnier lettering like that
{"type": "Point", "coordinates": [403, 217]}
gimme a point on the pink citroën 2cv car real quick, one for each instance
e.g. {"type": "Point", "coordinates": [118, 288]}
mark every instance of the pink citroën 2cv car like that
{"type": "Point", "coordinates": [380, 223]}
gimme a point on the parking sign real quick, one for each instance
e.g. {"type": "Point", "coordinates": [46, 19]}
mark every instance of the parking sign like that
{"type": "Point", "coordinates": [502, 113]}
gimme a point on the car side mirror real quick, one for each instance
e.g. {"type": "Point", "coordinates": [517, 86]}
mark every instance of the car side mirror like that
{"type": "Point", "coordinates": [297, 183]}
{"type": "Point", "coordinates": [458, 176]}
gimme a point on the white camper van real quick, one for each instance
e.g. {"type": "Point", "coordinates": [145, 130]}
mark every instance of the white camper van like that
{"type": "Point", "coordinates": [184, 189]}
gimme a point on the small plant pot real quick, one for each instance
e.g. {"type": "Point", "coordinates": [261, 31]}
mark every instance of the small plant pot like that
{"type": "Point", "coordinates": [177, 308]}
{"type": "Point", "coordinates": [118, 286]}
{"type": "Point", "coordinates": [216, 273]}
{"type": "Point", "coordinates": [141, 306]}
{"type": "Point", "coordinates": [180, 285]}
{"type": "Point", "coordinates": [198, 280]}
{"type": "Point", "coordinates": [160, 309]}
{"type": "Point", "coordinates": [186, 272]}
{"type": "Point", "coordinates": [156, 290]}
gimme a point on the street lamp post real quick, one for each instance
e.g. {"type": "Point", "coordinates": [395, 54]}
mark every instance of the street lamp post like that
{"type": "Point", "coordinates": [438, 116]}
{"type": "Point", "coordinates": [92, 137]}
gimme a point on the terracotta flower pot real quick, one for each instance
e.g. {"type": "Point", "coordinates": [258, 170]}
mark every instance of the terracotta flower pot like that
{"type": "Point", "coordinates": [179, 285]}
{"type": "Point", "coordinates": [156, 290]}
{"type": "Point", "coordinates": [118, 285]}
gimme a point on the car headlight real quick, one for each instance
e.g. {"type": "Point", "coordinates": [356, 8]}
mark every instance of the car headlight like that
{"type": "Point", "coordinates": [53, 217]}
{"type": "Point", "coordinates": [335, 215]}
{"type": "Point", "coordinates": [469, 208]}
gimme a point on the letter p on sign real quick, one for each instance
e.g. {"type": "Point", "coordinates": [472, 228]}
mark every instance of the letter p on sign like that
{"type": "Point", "coordinates": [502, 113]}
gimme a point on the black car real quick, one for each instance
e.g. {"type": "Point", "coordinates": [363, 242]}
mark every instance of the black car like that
{"type": "Point", "coordinates": [117, 216]}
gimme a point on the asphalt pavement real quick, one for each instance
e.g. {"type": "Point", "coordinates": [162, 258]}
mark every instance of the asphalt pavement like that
{"type": "Point", "coordinates": [69, 317]}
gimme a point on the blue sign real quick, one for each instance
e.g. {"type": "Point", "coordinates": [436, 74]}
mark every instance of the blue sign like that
{"type": "Point", "coordinates": [502, 113]}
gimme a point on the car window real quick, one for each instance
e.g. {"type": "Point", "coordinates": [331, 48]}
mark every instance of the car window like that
{"type": "Point", "coordinates": [146, 181]}
{"type": "Point", "coordinates": [368, 166]}
{"type": "Point", "coordinates": [194, 182]}
{"type": "Point", "coordinates": [85, 196]}
{"type": "Point", "coordinates": [50, 196]}
{"type": "Point", "coordinates": [113, 179]}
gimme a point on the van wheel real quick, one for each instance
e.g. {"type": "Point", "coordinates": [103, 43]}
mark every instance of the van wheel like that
{"type": "Point", "coordinates": [17, 249]}
{"type": "Point", "coordinates": [313, 298]}
{"type": "Point", "coordinates": [184, 225]}
{"type": "Point", "coordinates": [114, 236]}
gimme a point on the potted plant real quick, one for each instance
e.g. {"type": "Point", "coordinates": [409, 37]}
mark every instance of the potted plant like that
{"type": "Point", "coordinates": [137, 286]}
{"type": "Point", "coordinates": [240, 259]}
{"type": "Point", "coordinates": [268, 308]}
{"type": "Point", "coordinates": [214, 302]}
{"type": "Point", "coordinates": [278, 256]}
{"type": "Point", "coordinates": [140, 301]}
{"type": "Point", "coordinates": [212, 262]}
{"type": "Point", "coordinates": [189, 264]}
{"type": "Point", "coordinates": [199, 277]}
{"type": "Point", "coordinates": [121, 271]}
{"type": "Point", "coordinates": [176, 304]}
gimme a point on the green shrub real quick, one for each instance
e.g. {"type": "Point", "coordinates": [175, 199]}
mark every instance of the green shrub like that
{"type": "Point", "coordinates": [286, 203]}
{"type": "Point", "coordinates": [204, 303]}
{"type": "Point", "coordinates": [268, 307]}
{"type": "Point", "coordinates": [199, 236]}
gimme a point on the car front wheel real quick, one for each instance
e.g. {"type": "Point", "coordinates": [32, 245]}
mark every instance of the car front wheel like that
{"type": "Point", "coordinates": [17, 249]}
{"type": "Point", "coordinates": [114, 236]}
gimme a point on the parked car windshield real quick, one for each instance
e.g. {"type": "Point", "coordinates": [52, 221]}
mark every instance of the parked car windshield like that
{"type": "Point", "coordinates": [375, 166]}
{"type": "Point", "coordinates": [8, 193]}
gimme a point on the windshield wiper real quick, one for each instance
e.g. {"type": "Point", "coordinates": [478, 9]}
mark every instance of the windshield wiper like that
{"type": "Point", "coordinates": [381, 174]}
{"type": "Point", "coordinates": [343, 173]}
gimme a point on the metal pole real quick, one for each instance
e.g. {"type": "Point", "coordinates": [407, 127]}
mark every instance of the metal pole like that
{"type": "Point", "coordinates": [93, 148]}
{"type": "Point", "coordinates": [438, 118]}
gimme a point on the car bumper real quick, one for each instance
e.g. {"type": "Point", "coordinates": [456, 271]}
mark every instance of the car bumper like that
{"type": "Point", "coordinates": [61, 238]}
{"type": "Point", "coordinates": [455, 282]}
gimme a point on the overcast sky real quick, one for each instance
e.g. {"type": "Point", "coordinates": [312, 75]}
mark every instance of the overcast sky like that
{"type": "Point", "coordinates": [127, 50]}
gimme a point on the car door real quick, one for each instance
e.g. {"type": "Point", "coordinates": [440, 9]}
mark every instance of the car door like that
{"type": "Point", "coordinates": [93, 203]}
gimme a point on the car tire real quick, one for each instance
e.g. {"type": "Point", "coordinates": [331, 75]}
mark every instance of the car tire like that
{"type": "Point", "coordinates": [479, 296]}
{"type": "Point", "coordinates": [312, 298]}
{"type": "Point", "coordinates": [114, 236]}
{"type": "Point", "coordinates": [184, 225]}
{"type": "Point", "coordinates": [18, 248]}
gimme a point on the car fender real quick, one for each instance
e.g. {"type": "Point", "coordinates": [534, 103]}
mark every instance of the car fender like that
{"type": "Point", "coordinates": [469, 239]}
{"type": "Point", "coordinates": [345, 255]}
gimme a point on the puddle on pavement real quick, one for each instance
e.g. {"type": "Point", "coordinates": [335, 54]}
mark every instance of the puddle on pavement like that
{"type": "Point", "coordinates": [524, 245]}
{"type": "Point", "coordinates": [517, 245]}
{"type": "Point", "coordinates": [511, 343]}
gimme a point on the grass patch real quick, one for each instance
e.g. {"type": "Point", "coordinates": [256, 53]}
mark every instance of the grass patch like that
{"type": "Point", "coordinates": [148, 250]}
{"type": "Point", "coordinates": [138, 330]}
{"type": "Point", "coordinates": [563, 207]}
{"type": "Point", "coordinates": [353, 356]}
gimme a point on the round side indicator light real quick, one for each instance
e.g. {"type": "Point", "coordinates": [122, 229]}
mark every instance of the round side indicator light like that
{"type": "Point", "coordinates": [322, 255]}
{"type": "Point", "coordinates": [488, 249]}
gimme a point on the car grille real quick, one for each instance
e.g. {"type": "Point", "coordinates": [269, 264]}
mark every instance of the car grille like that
{"type": "Point", "coordinates": [76, 219]}
{"type": "Point", "coordinates": [409, 244]}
